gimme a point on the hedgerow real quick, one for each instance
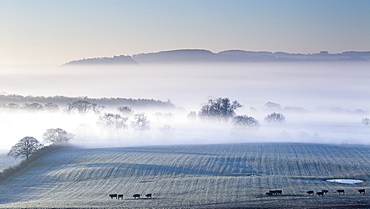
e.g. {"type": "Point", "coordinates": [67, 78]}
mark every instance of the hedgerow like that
{"type": "Point", "coordinates": [8, 172]}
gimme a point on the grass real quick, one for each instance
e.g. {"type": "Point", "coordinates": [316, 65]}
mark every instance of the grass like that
{"type": "Point", "coordinates": [192, 176]}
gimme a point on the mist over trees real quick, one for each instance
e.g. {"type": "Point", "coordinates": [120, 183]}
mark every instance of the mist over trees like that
{"type": "Point", "coordinates": [141, 122]}
{"type": "Point", "coordinates": [365, 121]}
{"type": "Point", "coordinates": [273, 106]}
{"type": "Point", "coordinates": [125, 110]}
{"type": "Point", "coordinates": [25, 147]}
{"type": "Point", "coordinates": [217, 119]}
{"type": "Point", "coordinates": [30, 107]}
{"type": "Point", "coordinates": [221, 109]}
{"type": "Point", "coordinates": [113, 122]}
{"type": "Point", "coordinates": [84, 107]}
{"type": "Point", "coordinates": [275, 118]}
{"type": "Point", "coordinates": [245, 121]}
{"type": "Point", "coordinates": [56, 136]}
{"type": "Point", "coordinates": [192, 115]}
{"type": "Point", "coordinates": [167, 131]}
{"type": "Point", "coordinates": [78, 104]}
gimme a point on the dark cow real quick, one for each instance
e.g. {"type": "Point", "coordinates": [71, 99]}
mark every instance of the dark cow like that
{"type": "Point", "coordinates": [310, 192]}
{"type": "Point", "coordinates": [362, 191]}
{"type": "Point", "coordinates": [113, 195]}
{"type": "Point", "coordinates": [136, 196]}
{"type": "Point", "coordinates": [325, 191]}
{"type": "Point", "coordinates": [274, 192]}
{"type": "Point", "coordinates": [340, 191]}
{"type": "Point", "coordinates": [148, 195]}
{"type": "Point", "coordinates": [120, 196]}
{"type": "Point", "coordinates": [320, 194]}
{"type": "Point", "coordinates": [278, 191]}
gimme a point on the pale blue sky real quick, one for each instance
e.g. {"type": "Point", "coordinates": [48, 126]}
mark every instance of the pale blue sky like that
{"type": "Point", "coordinates": [54, 32]}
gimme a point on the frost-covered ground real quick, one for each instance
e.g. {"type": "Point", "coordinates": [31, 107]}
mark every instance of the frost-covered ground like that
{"type": "Point", "coordinates": [192, 176]}
{"type": "Point", "coordinates": [7, 161]}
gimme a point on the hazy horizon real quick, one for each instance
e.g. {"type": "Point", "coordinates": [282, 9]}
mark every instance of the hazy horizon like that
{"type": "Point", "coordinates": [334, 95]}
{"type": "Point", "coordinates": [39, 36]}
{"type": "Point", "coordinates": [53, 33]}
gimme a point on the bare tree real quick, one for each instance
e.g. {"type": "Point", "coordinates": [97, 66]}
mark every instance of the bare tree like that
{"type": "Point", "coordinates": [221, 109]}
{"type": "Point", "coordinates": [83, 107]}
{"type": "Point", "coordinates": [113, 121]}
{"type": "Point", "coordinates": [275, 118]}
{"type": "Point", "coordinates": [167, 131]}
{"type": "Point", "coordinates": [365, 121]}
{"type": "Point", "coordinates": [25, 147]}
{"type": "Point", "coordinates": [140, 123]}
{"type": "Point", "coordinates": [51, 107]}
{"type": "Point", "coordinates": [192, 115]}
{"type": "Point", "coordinates": [245, 121]}
{"type": "Point", "coordinates": [273, 106]}
{"type": "Point", "coordinates": [33, 107]}
{"type": "Point", "coordinates": [125, 110]}
{"type": "Point", "coordinates": [56, 136]}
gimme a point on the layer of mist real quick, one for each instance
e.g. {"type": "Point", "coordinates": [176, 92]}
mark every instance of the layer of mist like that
{"type": "Point", "coordinates": [322, 102]}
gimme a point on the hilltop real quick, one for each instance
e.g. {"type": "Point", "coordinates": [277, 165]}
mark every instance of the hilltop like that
{"type": "Point", "coordinates": [192, 176]}
{"type": "Point", "coordinates": [228, 56]}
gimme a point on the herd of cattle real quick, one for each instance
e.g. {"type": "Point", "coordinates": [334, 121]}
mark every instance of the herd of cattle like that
{"type": "Point", "coordinates": [311, 192]}
{"type": "Point", "coordinates": [270, 193]}
{"type": "Point", "coordinates": [120, 196]}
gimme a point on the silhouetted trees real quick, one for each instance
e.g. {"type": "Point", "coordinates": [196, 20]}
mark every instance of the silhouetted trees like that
{"type": "Point", "coordinates": [33, 107]}
{"type": "Point", "coordinates": [221, 109]}
{"type": "Point", "coordinates": [166, 130]}
{"type": "Point", "coordinates": [275, 118]}
{"type": "Point", "coordinates": [56, 136]}
{"type": "Point", "coordinates": [125, 110]}
{"type": "Point", "coordinates": [245, 121]}
{"type": "Point", "coordinates": [83, 107]}
{"type": "Point", "coordinates": [272, 106]}
{"type": "Point", "coordinates": [141, 122]}
{"type": "Point", "coordinates": [365, 121]}
{"type": "Point", "coordinates": [113, 121]}
{"type": "Point", "coordinates": [54, 103]}
{"type": "Point", "coordinates": [51, 107]}
{"type": "Point", "coordinates": [25, 147]}
{"type": "Point", "coordinates": [192, 115]}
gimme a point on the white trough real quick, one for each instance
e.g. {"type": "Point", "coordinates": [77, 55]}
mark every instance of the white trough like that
{"type": "Point", "coordinates": [345, 181]}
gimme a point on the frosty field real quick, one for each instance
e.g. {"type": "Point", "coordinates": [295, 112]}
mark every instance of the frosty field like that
{"type": "Point", "coordinates": [193, 176]}
{"type": "Point", "coordinates": [7, 161]}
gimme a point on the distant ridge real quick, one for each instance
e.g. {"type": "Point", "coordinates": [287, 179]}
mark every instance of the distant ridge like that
{"type": "Point", "coordinates": [116, 60]}
{"type": "Point", "coordinates": [228, 56]}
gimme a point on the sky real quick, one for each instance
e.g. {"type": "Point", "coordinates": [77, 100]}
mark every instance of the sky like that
{"type": "Point", "coordinates": [50, 32]}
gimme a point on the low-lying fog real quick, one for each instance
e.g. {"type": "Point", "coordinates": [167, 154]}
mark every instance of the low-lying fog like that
{"type": "Point", "coordinates": [335, 97]}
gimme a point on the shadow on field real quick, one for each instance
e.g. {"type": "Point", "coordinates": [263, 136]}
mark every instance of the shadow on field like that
{"type": "Point", "coordinates": [119, 170]}
{"type": "Point", "coordinates": [185, 151]}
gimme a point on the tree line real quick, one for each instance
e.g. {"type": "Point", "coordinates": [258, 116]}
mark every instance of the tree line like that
{"type": "Point", "coordinates": [14, 101]}
{"type": "Point", "coordinates": [223, 109]}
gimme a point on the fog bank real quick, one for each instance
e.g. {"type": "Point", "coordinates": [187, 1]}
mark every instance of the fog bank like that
{"type": "Point", "coordinates": [332, 98]}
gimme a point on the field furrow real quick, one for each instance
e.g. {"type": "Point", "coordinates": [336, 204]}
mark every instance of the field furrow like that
{"type": "Point", "coordinates": [190, 176]}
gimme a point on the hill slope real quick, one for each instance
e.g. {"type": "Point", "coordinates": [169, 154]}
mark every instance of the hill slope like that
{"type": "Point", "coordinates": [233, 175]}
{"type": "Point", "coordinates": [230, 56]}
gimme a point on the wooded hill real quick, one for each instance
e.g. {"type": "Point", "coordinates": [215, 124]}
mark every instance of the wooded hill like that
{"type": "Point", "coordinates": [229, 56]}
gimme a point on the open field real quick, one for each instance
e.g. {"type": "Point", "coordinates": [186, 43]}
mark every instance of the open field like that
{"type": "Point", "coordinates": [193, 176]}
